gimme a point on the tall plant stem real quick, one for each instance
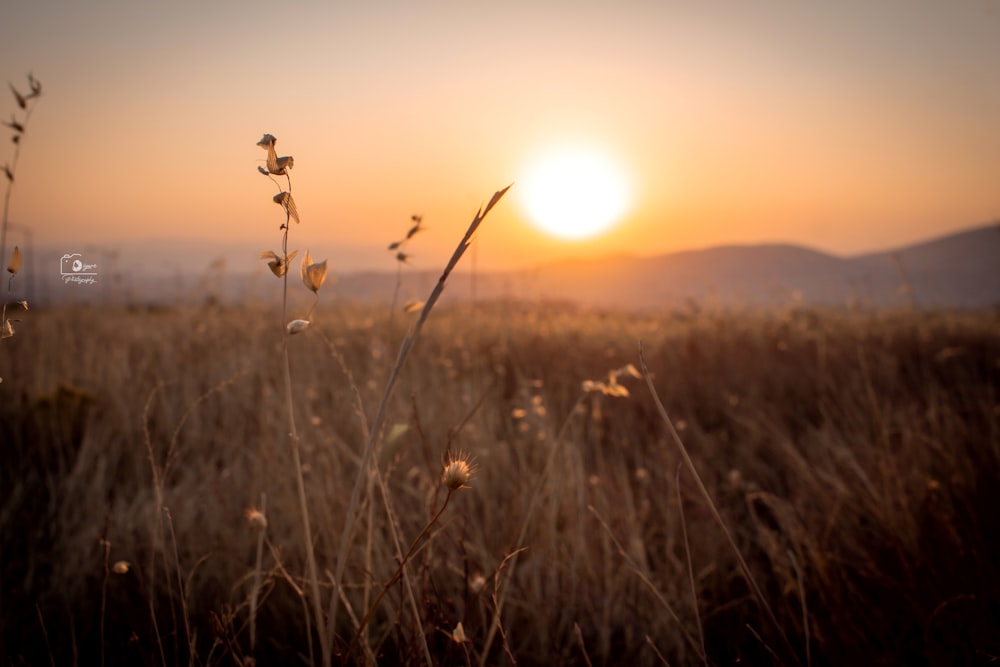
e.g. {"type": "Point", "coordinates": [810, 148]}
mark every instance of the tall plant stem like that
{"type": "Point", "coordinates": [293, 437]}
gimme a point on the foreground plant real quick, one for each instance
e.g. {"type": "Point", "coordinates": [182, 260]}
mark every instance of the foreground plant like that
{"type": "Point", "coordinates": [26, 104]}
{"type": "Point", "coordinates": [367, 467]}
{"type": "Point", "coordinates": [313, 276]}
{"type": "Point", "coordinates": [457, 472]}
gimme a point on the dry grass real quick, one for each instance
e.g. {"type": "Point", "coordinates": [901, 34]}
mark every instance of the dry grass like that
{"type": "Point", "coordinates": [853, 457]}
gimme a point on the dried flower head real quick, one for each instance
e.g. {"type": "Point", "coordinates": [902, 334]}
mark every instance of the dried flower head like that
{"type": "Point", "coordinates": [277, 263]}
{"type": "Point", "coordinates": [275, 165]}
{"type": "Point", "coordinates": [458, 470]}
{"type": "Point", "coordinates": [256, 518]}
{"type": "Point", "coordinates": [477, 582]}
{"type": "Point", "coordinates": [121, 567]}
{"type": "Point", "coordinates": [611, 386]}
{"type": "Point", "coordinates": [297, 326]}
{"type": "Point", "coordinates": [313, 275]}
{"type": "Point", "coordinates": [16, 259]}
{"type": "Point", "coordinates": [458, 634]}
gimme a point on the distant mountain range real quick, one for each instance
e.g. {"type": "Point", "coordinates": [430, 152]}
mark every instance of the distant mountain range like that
{"type": "Point", "coordinates": [960, 270]}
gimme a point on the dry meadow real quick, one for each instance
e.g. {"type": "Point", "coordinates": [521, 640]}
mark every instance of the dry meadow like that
{"type": "Point", "coordinates": [151, 514]}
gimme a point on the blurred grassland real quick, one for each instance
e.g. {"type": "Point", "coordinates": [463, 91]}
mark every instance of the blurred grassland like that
{"type": "Point", "coordinates": [856, 452]}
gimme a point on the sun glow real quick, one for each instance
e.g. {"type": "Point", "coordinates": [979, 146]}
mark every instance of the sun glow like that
{"type": "Point", "coordinates": [574, 193]}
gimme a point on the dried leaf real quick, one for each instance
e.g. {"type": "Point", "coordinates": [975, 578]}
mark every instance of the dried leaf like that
{"type": "Point", "coordinates": [277, 263]}
{"type": "Point", "coordinates": [21, 100]}
{"type": "Point", "coordinates": [13, 124]}
{"type": "Point", "coordinates": [284, 199]}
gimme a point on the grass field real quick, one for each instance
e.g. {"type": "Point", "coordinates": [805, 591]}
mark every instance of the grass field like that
{"type": "Point", "coordinates": [853, 457]}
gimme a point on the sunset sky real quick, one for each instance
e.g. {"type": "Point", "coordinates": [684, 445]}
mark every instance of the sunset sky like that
{"type": "Point", "coordinates": [845, 126]}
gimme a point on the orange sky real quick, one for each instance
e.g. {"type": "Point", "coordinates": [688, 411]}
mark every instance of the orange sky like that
{"type": "Point", "coordinates": [844, 126]}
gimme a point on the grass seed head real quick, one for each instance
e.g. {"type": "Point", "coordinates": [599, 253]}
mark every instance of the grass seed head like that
{"type": "Point", "coordinates": [458, 470]}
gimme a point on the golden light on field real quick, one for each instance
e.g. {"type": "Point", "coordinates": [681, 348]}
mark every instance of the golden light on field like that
{"type": "Point", "coordinates": [575, 192]}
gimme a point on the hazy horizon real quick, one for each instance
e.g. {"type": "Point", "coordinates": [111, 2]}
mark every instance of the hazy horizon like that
{"type": "Point", "coordinates": [192, 254]}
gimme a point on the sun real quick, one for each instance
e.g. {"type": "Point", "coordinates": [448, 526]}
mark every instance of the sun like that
{"type": "Point", "coordinates": [574, 193]}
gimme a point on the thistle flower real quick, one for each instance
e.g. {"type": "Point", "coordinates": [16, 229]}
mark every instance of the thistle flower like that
{"type": "Point", "coordinates": [16, 259]}
{"type": "Point", "coordinates": [313, 275]}
{"type": "Point", "coordinates": [275, 165]}
{"type": "Point", "coordinates": [284, 199]}
{"type": "Point", "coordinates": [297, 326]}
{"type": "Point", "coordinates": [457, 471]}
{"type": "Point", "coordinates": [277, 263]}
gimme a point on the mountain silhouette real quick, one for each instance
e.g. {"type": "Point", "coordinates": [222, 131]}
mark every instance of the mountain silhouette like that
{"type": "Point", "coordinates": [959, 270]}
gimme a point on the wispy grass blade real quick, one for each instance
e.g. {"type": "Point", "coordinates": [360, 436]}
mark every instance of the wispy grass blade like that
{"type": "Point", "coordinates": [377, 424]}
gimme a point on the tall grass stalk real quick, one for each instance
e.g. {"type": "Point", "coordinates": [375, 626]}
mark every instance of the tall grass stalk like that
{"type": "Point", "coordinates": [690, 567]}
{"type": "Point", "coordinates": [255, 592]}
{"type": "Point", "coordinates": [378, 422]}
{"type": "Point", "coordinates": [397, 575]}
{"type": "Point", "coordinates": [689, 464]}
